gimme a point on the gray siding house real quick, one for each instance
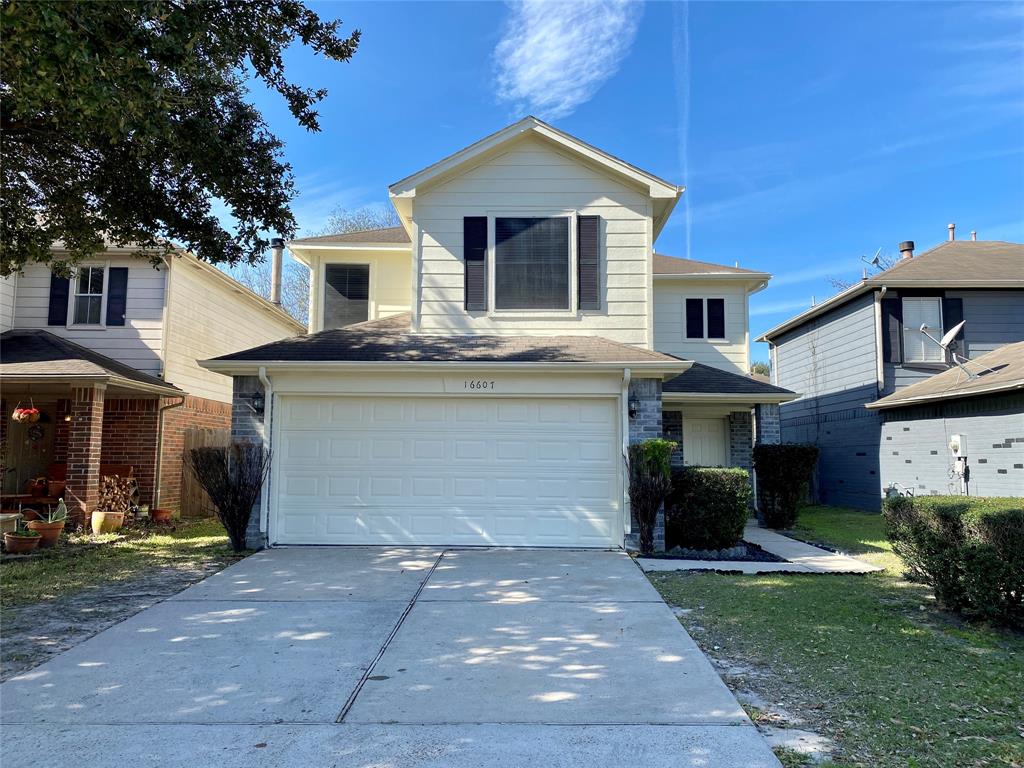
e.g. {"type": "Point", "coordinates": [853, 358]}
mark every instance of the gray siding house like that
{"type": "Point", "coordinates": [865, 343]}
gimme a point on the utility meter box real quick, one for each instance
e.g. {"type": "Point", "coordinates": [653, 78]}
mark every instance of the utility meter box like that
{"type": "Point", "coordinates": [958, 446]}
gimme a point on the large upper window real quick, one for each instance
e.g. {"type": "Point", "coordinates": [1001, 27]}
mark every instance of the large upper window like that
{"type": "Point", "coordinates": [88, 306]}
{"type": "Point", "coordinates": [918, 348]}
{"type": "Point", "coordinates": [705, 318]}
{"type": "Point", "coordinates": [346, 294]}
{"type": "Point", "coordinates": [531, 263]}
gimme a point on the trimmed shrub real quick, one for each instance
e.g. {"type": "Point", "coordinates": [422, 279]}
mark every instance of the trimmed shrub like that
{"type": "Point", "coordinates": [969, 550]}
{"type": "Point", "coordinates": [783, 472]}
{"type": "Point", "coordinates": [649, 484]}
{"type": "Point", "coordinates": [707, 508]}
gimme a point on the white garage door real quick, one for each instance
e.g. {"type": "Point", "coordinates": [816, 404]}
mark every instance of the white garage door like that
{"type": "Point", "coordinates": [534, 472]}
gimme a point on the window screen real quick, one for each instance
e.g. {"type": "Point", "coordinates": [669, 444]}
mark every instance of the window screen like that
{"type": "Point", "coordinates": [695, 318]}
{"type": "Point", "coordinates": [918, 348]}
{"type": "Point", "coordinates": [347, 294]}
{"type": "Point", "coordinates": [531, 263]}
{"type": "Point", "coordinates": [716, 318]}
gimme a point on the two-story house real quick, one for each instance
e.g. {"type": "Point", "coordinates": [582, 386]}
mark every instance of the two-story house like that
{"type": "Point", "coordinates": [474, 375]}
{"type": "Point", "coordinates": [108, 357]}
{"type": "Point", "coordinates": [866, 343]}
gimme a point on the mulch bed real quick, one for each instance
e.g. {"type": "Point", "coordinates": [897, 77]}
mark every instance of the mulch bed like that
{"type": "Point", "coordinates": [752, 554]}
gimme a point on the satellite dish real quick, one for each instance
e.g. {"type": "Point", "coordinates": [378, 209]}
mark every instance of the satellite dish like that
{"type": "Point", "coordinates": [876, 259]}
{"type": "Point", "coordinates": [951, 334]}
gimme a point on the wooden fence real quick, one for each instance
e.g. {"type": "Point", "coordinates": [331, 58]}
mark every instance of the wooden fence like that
{"type": "Point", "coordinates": [194, 501]}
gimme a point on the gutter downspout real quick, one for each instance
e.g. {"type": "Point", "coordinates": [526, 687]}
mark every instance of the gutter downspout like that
{"type": "Point", "coordinates": [157, 470]}
{"type": "Point", "coordinates": [268, 411]}
{"type": "Point", "coordinates": [627, 515]}
{"type": "Point", "coordinates": [879, 362]}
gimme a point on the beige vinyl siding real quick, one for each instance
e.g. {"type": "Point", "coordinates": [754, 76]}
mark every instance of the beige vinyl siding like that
{"type": "Point", "coordinates": [8, 290]}
{"type": "Point", "coordinates": [390, 280]}
{"type": "Point", "coordinates": [208, 317]}
{"type": "Point", "coordinates": [137, 343]}
{"type": "Point", "coordinates": [670, 323]}
{"type": "Point", "coordinates": [533, 179]}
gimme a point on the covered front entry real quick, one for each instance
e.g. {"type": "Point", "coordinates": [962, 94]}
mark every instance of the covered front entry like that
{"type": "Point", "coordinates": [537, 471]}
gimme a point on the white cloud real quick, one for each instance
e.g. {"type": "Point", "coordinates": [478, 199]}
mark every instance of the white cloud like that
{"type": "Point", "coordinates": [553, 56]}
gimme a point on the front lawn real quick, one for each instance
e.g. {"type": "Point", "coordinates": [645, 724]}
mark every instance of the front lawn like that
{"type": "Point", "coordinates": [868, 661]}
{"type": "Point", "coordinates": [83, 562]}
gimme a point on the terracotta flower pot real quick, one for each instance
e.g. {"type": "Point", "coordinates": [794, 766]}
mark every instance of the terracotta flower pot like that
{"type": "Point", "coordinates": [106, 522]}
{"type": "Point", "coordinates": [29, 514]}
{"type": "Point", "coordinates": [19, 545]}
{"type": "Point", "coordinates": [160, 515]}
{"type": "Point", "coordinates": [49, 533]}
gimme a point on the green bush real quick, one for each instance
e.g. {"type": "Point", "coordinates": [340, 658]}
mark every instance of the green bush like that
{"type": "Point", "coordinates": [649, 484]}
{"type": "Point", "coordinates": [783, 472]}
{"type": "Point", "coordinates": [707, 507]}
{"type": "Point", "coordinates": [969, 550]}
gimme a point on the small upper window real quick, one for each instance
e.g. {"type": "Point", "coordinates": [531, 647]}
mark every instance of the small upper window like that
{"type": "Point", "coordinates": [531, 263]}
{"type": "Point", "coordinates": [346, 294]}
{"type": "Point", "coordinates": [88, 306]}
{"type": "Point", "coordinates": [918, 348]}
{"type": "Point", "coordinates": [705, 318]}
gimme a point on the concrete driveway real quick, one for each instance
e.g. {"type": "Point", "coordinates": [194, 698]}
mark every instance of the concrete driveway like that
{"type": "Point", "coordinates": [369, 656]}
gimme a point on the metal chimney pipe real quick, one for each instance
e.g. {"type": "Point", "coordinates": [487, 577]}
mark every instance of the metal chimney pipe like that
{"type": "Point", "coordinates": [974, 234]}
{"type": "Point", "coordinates": [907, 249]}
{"type": "Point", "coordinates": [276, 265]}
{"type": "Point", "coordinates": [952, 231]}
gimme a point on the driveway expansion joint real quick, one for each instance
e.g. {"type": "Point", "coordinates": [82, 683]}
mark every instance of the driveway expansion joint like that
{"type": "Point", "coordinates": [387, 641]}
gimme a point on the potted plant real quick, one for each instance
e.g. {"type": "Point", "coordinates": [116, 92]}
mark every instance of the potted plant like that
{"type": "Point", "coordinates": [21, 541]}
{"type": "Point", "coordinates": [115, 501]}
{"type": "Point", "coordinates": [49, 525]}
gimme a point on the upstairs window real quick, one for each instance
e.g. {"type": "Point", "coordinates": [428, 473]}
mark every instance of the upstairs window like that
{"type": "Point", "coordinates": [705, 318]}
{"type": "Point", "coordinates": [531, 263]}
{"type": "Point", "coordinates": [88, 307]}
{"type": "Point", "coordinates": [346, 294]}
{"type": "Point", "coordinates": [918, 348]}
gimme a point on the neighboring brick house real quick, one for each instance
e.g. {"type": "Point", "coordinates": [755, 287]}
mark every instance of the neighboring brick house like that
{"type": "Point", "coordinates": [109, 358]}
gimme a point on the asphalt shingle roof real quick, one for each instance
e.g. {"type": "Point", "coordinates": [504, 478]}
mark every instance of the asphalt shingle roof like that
{"type": "Point", "coordinates": [706, 379]}
{"type": "Point", "coordinates": [674, 265]}
{"type": "Point", "coordinates": [385, 236]}
{"type": "Point", "coordinates": [390, 340]}
{"type": "Point", "coordinates": [35, 353]}
{"type": "Point", "coordinates": [1000, 370]}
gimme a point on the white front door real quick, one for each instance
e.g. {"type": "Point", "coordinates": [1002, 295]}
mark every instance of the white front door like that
{"type": "Point", "coordinates": [704, 442]}
{"type": "Point", "coordinates": [442, 470]}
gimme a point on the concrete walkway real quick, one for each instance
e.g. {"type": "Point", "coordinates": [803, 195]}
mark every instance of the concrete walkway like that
{"type": "Point", "coordinates": [800, 557]}
{"type": "Point", "coordinates": [358, 656]}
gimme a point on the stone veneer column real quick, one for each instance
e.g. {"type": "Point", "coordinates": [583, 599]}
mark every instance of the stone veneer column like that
{"type": "Point", "coordinates": [247, 426]}
{"type": "Point", "coordinates": [767, 423]}
{"type": "Point", "coordinates": [85, 444]}
{"type": "Point", "coordinates": [646, 425]}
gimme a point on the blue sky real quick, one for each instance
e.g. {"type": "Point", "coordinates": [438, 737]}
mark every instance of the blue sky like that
{"type": "Point", "coordinates": [806, 134]}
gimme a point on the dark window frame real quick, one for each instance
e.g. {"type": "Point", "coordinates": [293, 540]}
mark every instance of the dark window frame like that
{"type": "Point", "coordinates": [705, 319]}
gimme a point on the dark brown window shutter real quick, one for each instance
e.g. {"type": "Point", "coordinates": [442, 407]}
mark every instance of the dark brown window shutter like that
{"type": "Point", "coordinates": [588, 261]}
{"type": "Point", "coordinates": [59, 289]}
{"type": "Point", "coordinates": [892, 330]}
{"type": "Point", "coordinates": [953, 313]}
{"type": "Point", "coordinates": [474, 253]}
{"type": "Point", "coordinates": [117, 295]}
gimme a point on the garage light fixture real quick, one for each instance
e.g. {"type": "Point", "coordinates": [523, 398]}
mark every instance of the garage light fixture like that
{"type": "Point", "coordinates": [634, 406]}
{"type": "Point", "coordinates": [257, 403]}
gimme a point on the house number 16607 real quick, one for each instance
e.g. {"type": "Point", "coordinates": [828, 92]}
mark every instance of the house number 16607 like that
{"type": "Point", "coordinates": [477, 384]}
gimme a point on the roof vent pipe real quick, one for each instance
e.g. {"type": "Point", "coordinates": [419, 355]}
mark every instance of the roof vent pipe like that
{"type": "Point", "coordinates": [277, 259]}
{"type": "Point", "coordinates": [952, 231]}
{"type": "Point", "coordinates": [907, 249]}
{"type": "Point", "coordinates": [974, 234]}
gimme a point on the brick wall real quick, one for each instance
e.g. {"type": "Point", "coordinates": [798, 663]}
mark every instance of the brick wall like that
{"type": "Point", "coordinates": [646, 425]}
{"type": "Point", "coordinates": [5, 417]}
{"type": "Point", "coordinates": [84, 449]}
{"type": "Point", "coordinates": [247, 425]}
{"type": "Point", "coordinates": [196, 412]}
{"type": "Point", "coordinates": [767, 424]}
{"type": "Point", "coordinates": [741, 440]}
{"type": "Point", "coordinates": [672, 429]}
{"type": "Point", "coordinates": [129, 437]}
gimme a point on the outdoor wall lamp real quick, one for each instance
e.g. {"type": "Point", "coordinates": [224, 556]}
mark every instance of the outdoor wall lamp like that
{"type": "Point", "coordinates": [257, 403]}
{"type": "Point", "coordinates": [634, 406]}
